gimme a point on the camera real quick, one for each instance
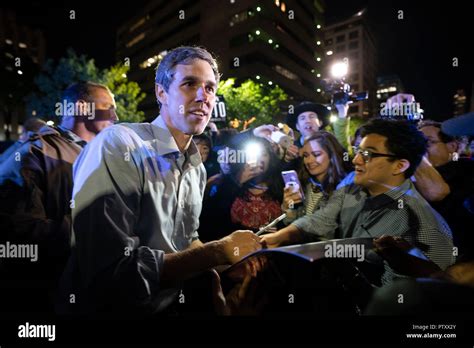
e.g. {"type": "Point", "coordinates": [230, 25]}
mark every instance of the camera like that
{"type": "Point", "coordinates": [282, 139]}
{"type": "Point", "coordinates": [341, 91]}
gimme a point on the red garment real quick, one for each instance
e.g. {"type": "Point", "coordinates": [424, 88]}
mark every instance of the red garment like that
{"type": "Point", "coordinates": [254, 211]}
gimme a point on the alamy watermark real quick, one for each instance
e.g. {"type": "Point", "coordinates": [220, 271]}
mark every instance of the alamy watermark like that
{"type": "Point", "coordinates": [84, 109]}
{"type": "Point", "coordinates": [228, 155]}
{"type": "Point", "coordinates": [19, 251]}
{"type": "Point", "coordinates": [400, 109]}
{"type": "Point", "coordinates": [28, 330]}
{"type": "Point", "coordinates": [338, 250]}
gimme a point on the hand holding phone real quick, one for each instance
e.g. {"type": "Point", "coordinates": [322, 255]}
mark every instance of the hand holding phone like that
{"type": "Point", "coordinates": [290, 177]}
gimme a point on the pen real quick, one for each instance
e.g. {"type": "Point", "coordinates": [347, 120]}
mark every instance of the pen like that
{"type": "Point", "coordinates": [271, 224]}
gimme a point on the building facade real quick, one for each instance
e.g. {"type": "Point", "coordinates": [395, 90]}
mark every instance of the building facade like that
{"type": "Point", "coordinates": [353, 40]}
{"type": "Point", "coordinates": [274, 42]}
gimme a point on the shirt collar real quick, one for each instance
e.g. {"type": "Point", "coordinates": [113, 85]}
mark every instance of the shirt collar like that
{"type": "Point", "coordinates": [71, 136]}
{"type": "Point", "coordinates": [394, 194]}
{"type": "Point", "coordinates": [167, 145]}
{"type": "Point", "coordinates": [316, 183]}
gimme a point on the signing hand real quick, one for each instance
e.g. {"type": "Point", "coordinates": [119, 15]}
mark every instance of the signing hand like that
{"type": "Point", "coordinates": [239, 244]}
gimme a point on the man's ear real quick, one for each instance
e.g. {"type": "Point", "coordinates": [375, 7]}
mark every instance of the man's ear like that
{"type": "Point", "coordinates": [452, 146]}
{"type": "Point", "coordinates": [297, 127]}
{"type": "Point", "coordinates": [402, 166]}
{"type": "Point", "coordinates": [161, 94]}
{"type": "Point", "coordinates": [320, 123]}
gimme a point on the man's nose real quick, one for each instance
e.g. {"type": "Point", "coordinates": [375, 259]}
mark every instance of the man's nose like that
{"type": "Point", "coordinates": [113, 113]}
{"type": "Point", "coordinates": [202, 95]}
{"type": "Point", "coordinates": [358, 160]}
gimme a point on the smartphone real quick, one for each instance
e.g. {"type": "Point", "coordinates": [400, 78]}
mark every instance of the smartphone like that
{"type": "Point", "coordinates": [291, 179]}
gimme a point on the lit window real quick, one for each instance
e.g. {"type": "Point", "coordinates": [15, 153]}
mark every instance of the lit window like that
{"type": "Point", "coordinates": [140, 22]}
{"type": "Point", "coordinates": [150, 61]}
{"type": "Point", "coordinates": [135, 40]}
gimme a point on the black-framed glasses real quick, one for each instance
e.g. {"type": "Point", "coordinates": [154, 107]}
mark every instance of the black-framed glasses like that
{"type": "Point", "coordinates": [367, 155]}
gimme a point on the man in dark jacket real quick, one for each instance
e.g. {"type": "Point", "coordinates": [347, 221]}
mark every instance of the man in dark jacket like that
{"type": "Point", "coordinates": [35, 198]}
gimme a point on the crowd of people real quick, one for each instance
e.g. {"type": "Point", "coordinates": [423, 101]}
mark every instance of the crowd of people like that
{"type": "Point", "coordinates": [126, 215]}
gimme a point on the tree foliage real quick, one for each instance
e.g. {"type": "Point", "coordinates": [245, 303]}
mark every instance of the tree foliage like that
{"type": "Point", "coordinates": [251, 99]}
{"type": "Point", "coordinates": [55, 78]}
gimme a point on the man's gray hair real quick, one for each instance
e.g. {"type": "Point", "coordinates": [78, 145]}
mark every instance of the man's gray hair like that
{"type": "Point", "coordinates": [182, 55]}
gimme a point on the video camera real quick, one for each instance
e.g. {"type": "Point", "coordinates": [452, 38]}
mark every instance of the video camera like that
{"type": "Point", "coordinates": [340, 91]}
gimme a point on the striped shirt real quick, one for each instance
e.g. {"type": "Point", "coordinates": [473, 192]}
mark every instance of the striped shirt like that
{"type": "Point", "coordinates": [402, 211]}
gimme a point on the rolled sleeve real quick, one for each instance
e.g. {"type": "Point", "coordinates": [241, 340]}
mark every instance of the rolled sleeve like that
{"type": "Point", "coordinates": [324, 221]}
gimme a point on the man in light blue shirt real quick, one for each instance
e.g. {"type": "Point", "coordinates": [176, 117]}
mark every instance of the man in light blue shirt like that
{"type": "Point", "coordinates": [137, 198]}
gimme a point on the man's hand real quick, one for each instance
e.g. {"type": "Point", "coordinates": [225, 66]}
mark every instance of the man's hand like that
{"type": "Point", "coordinates": [272, 240]}
{"type": "Point", "coordinates": [291, 197]}
{"type": "Point", "coordinates": [292, 152]}
{"type": "Point", "coordinates": [238, 245]}
{"type": "Point", "coordinates": [265, 131]}
{"type": "Point", "coordinates": [401, 98]}
{"type": "Point", "coordinates": [241, 299]}
{"type": "Point", "coordinates": [404, 258]}
{"type": "Point", "coordinates": [342, 110]}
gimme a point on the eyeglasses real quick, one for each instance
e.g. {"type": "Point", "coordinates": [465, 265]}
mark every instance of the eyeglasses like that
{"type": "Point", "coordinates": [367, 155]}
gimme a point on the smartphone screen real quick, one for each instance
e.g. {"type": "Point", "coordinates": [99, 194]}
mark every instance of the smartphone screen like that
{"type": "Point", "coordinates": [290, 177]}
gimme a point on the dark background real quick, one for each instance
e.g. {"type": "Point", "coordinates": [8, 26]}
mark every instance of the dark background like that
{"type": "Point", "coordinates": [420, 48]}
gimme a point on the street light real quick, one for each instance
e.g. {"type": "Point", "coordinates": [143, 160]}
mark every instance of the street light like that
{"type": "Point", "coordinates": [339, 70]}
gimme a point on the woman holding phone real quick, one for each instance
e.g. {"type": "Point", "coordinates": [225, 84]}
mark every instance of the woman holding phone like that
{"type": "Point", "coordinates": [248, 197]}
{"type": "Point", "coordinates": [322, 169]}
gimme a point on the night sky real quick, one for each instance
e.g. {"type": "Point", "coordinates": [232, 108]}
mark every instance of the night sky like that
{"type": "Point", "coordinates": [419, 48]}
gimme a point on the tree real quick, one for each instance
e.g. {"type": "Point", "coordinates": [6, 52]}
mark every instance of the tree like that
{"type": "Point", "coordinates": [53, 79]}
{"type": "Point", "coordinates": [251, 99]}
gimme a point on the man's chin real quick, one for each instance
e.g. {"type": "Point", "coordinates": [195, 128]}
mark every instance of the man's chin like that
{"type": "Point", "coordinates": [195, 130]}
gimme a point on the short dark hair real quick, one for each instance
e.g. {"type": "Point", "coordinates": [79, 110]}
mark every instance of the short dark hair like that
{"type": "Point", "coordinates": [404, 140]}
{"type": "Point", "coordinates": [182, 55]}
{"type": "Point", "coordinates": [203, 138]}
{"type": "Point", "coordinates": [445, 138]}
{"type": "Point", "coordinates": [82, 91]}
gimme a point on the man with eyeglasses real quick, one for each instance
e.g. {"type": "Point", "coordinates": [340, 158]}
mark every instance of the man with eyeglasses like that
{"type": "Point", "coordinates": [382, 200]}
